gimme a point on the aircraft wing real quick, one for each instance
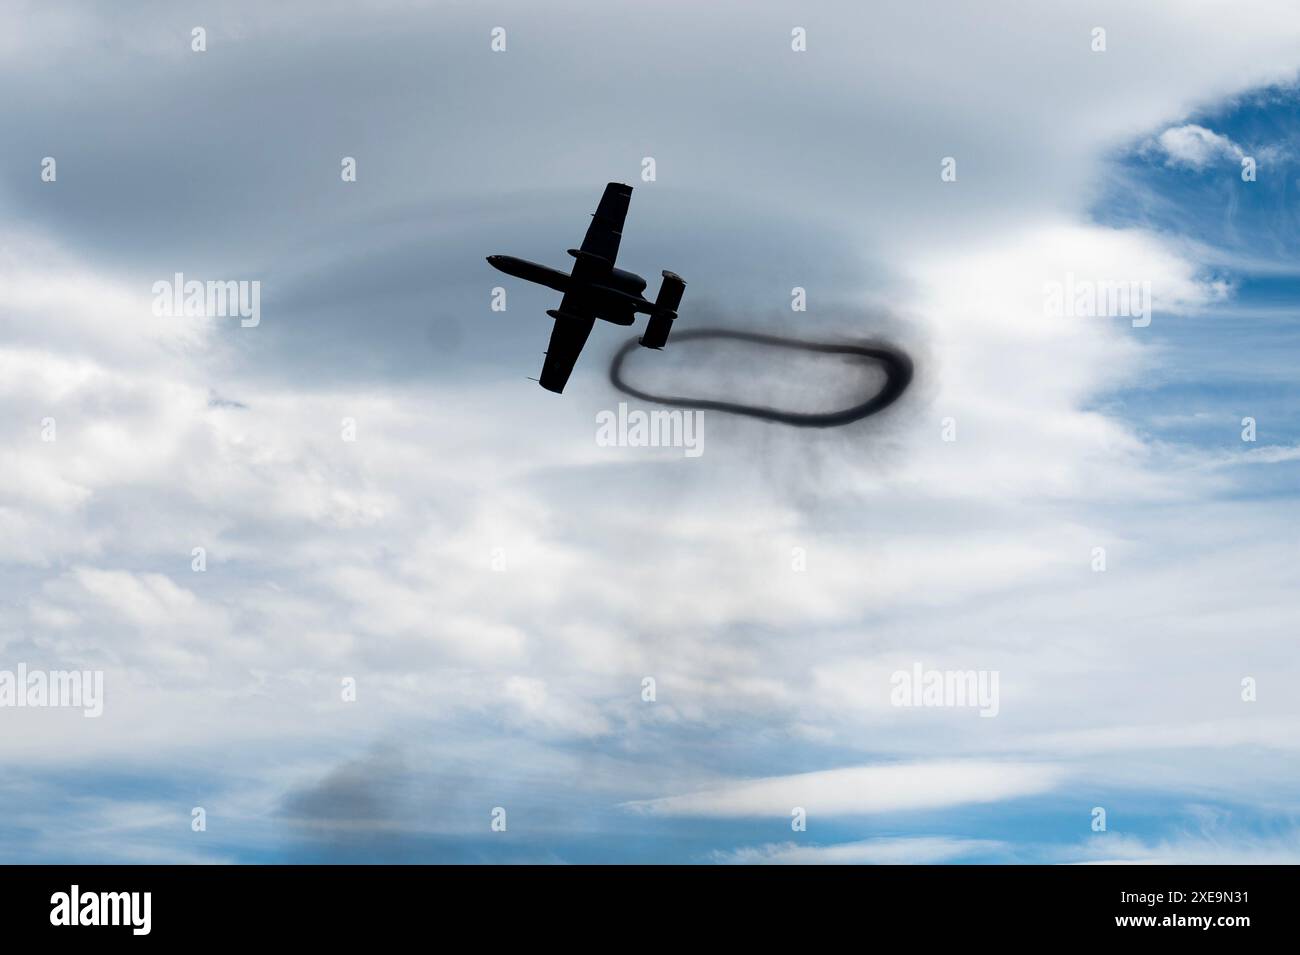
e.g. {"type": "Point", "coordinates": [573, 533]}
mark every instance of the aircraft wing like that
{"type": "Point", "coordinates": [574, 319]}
{"type": "Point", "coordinates": [607, 222]}
{"type": "Point", "coordinates": [572, 326]}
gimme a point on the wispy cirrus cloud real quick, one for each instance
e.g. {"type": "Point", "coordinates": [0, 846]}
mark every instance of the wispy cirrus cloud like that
{"type": "Point", "coordinates": [908, 850]}
{"type": "Point", "coordinates": [865, 790]}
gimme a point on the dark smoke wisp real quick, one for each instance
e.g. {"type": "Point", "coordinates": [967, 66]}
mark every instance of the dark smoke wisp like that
{"type": "Point", "coordinates": [896, 364]}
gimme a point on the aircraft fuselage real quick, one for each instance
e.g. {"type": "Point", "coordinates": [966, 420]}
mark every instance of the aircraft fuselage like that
{"type": "Point", "coordinates": [616, 298]}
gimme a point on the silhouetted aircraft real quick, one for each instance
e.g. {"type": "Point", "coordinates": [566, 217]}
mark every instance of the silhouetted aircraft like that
{"type": "Point", "coordinates": [596, 289]}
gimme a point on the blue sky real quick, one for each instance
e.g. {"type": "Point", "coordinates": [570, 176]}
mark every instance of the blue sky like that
{"type": "Point", "coordinates": [1238, 358]}
{"type": "Point", "coordinates": [499, 585]}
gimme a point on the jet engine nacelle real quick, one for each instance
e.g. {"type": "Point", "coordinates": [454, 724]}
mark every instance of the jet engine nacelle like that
{"type": "Point", "coordinates": [661, 321]}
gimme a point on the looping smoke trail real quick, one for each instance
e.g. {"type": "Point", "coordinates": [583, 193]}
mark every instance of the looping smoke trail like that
{"type": "Point", "coordinates": [897, 366]}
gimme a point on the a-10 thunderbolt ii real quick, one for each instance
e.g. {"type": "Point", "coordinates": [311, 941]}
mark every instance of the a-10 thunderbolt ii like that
{"type": "Point", "coordinates": [596, 289]}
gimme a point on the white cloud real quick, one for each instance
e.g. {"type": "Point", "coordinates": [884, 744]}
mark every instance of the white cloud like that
{"type": "Point", "coordinates": [1197, 147]}
{"type": "Point", "coordinates": [912, 850]}
{"type": "Point", "coordinates": [865, 790]}
{"type": "Point", "coordinates": [1219, 846]}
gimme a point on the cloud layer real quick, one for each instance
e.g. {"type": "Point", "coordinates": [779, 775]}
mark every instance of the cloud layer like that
{"type": "Point", "coordinates": [381, 496]}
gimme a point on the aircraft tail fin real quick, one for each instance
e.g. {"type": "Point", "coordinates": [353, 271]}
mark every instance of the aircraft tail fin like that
{"type": "Point", "coordinates": [661, 322]}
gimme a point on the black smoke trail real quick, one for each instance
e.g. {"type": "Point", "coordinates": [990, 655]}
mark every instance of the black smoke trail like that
{"type": "Point", "coordinates": [896, 364]}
